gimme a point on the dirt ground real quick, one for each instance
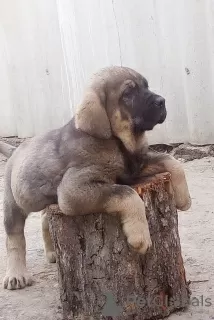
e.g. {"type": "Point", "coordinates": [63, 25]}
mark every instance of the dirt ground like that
{"type": "Point", "coordinates": [41, 301]}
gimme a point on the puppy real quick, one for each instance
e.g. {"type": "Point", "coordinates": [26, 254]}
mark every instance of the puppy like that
{"type": "Point", "coordinates": [85, 166]}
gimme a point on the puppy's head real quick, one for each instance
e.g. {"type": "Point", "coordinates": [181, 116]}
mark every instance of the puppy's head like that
{"type": "Point", "coordinates": [118, 102]}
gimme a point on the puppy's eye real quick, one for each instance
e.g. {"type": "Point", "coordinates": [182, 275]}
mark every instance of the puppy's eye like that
{"type": "Point", "coordinates": [129, 93]}
{"type": "Point", "coordinates": [129, 90]}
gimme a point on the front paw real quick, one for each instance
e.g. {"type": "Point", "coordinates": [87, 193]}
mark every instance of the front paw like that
{"type": "Point", "coordinates": [17, 279]}
{"type": "Point", "coordinates": [138, 237]}
{"type": "Point", "coordinates": [184, 203]}
{"type": "Point", "coordinates": [140, 243]}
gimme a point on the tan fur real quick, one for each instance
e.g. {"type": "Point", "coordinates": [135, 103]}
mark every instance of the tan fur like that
{"type": "Point", "coordinates": [132, 211]}
{"type": "Point", "coordinates": [122, 128]}
{"type": "Point", "coordinates": [87, 114]}
{"type": "Point", "coordinates": [160, 163]}
{"type": "Point", "coordinates": [17, 276]}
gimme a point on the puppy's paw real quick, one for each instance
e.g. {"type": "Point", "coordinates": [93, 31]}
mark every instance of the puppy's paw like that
{"type": "Point", "coordinates": [138, 238]}
{"type": "Point", "coordinates": [17, 280]}
{"type": "Point", "coordinates": [184, 203]}
{"type": "Point", "coordinates": [51, 256]}
{"type": "Point", "coordinates": [140, 243]}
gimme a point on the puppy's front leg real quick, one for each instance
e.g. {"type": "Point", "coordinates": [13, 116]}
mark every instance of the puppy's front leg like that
{"type": "Point", "coordinates": [127, 203]}
{"type": "Point", "coordinates": [77, 196]}
{"type": "Point", "coordinates": [159, 163]}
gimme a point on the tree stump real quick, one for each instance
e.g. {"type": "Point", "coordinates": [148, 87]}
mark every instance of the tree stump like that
{"type": "Point", "coordinates": [101, 277]}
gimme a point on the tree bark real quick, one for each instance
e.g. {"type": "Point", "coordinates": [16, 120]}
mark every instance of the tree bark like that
{"type": "Point", "coordinates": [102, 278]}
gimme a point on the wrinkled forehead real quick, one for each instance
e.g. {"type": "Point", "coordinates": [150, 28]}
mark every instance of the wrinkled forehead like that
{"type": "Point", "coordinates": [113, 77]}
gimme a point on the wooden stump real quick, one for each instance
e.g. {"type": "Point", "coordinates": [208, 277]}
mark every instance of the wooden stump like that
{"type": "Point", "coordinates": [102, 278]}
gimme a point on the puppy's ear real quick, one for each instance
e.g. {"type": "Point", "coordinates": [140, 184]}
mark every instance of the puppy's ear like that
{"type": "Point", "coordinates": [91, 116]}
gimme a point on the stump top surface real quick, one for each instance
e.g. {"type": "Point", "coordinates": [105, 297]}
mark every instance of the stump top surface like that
{"type": "Point", "coordinates": [152, 183]}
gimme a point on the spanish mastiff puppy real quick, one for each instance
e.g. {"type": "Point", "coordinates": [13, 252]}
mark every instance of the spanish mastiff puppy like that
{"type": "Point", "coordinates": [87, 165]}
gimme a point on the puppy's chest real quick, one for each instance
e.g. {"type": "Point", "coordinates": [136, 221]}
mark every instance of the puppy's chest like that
{"type": "Point", "coordinates": [120, 165]}
{"type": "Point", "coordinates": [133, 168]}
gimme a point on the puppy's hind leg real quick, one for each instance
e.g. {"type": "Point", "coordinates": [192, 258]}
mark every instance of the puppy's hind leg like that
{"type": "Point", "coordinates": [48, 245]}
{"type": "Point", "coordinates": [17, 276]}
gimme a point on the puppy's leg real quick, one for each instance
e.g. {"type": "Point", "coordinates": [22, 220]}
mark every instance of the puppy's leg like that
{"type": "Point", "coordinates": [127, 203]}
{"type": "Point", "coordinates": [17, 276]}
{"type": "Point", "coordinates": [159, 163]}
{"type": "Point", "coordinates": [81, 194]}
{"type": "Point", "coordinates": [48, 245]}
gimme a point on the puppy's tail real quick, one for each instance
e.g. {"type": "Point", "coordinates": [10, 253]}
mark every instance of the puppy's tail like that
{"type": "Point", "coordinates": [6, 149]}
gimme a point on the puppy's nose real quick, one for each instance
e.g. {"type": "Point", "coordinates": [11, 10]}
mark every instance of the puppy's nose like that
{"type": "Point", "coordinates": [160, 101]}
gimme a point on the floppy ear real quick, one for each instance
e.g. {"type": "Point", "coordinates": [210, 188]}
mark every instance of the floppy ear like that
{"type": "Point", "coordinates": [91, 116]}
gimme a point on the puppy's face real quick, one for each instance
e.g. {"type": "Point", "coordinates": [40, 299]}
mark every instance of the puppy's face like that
{"type": "Point", "coordinates": [118, 102]}
{"type": "Point", "coordinates": [146, 109]}
{"type": "Point", "coordinates": [128, 94]}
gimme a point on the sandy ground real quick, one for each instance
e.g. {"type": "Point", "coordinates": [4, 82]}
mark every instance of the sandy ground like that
{"type": "Point", "coordinates": [41, 301]}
